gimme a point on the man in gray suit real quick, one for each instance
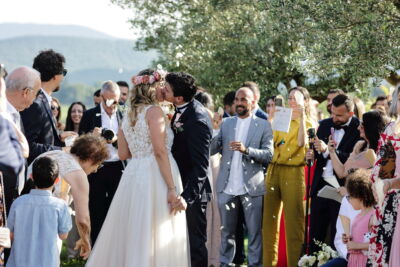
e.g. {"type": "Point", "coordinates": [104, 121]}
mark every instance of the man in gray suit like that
{"type": "Point", "coordinates": [245, 143]}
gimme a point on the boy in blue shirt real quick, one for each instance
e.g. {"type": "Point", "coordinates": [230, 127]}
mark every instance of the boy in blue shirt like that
{"type": "Point", "coordinates": [36, 219]}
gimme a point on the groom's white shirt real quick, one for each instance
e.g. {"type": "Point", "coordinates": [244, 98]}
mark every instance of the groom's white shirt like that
{"type": "Point", "coordinates": [182, 109]}
{"type": "Point", "coordinates": [235, 184]}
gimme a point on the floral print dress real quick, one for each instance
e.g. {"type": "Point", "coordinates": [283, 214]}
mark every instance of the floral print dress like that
{"type": "Point", "coordinates": [384, 232]}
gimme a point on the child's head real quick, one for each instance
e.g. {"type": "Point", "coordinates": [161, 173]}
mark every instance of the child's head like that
{"type": "Point", "coordinates": [359, 188]}
{"type": "Point", "coordinates": [44, 172]}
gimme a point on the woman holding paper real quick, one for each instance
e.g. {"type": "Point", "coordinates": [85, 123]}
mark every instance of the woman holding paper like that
{"type": "Point", "coordinates": [363, 155]}
{"type": "Point", "coordinates": [285, 183]}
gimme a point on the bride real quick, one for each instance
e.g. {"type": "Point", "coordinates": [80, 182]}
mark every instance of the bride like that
{"type": "Point", "coordinates": [143, 227]}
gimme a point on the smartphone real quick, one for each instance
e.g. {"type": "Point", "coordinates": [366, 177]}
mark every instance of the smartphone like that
{"type": "Point", "coordinates": [278, 102]}
{"type": "Point", "coordinates": [332, 132]}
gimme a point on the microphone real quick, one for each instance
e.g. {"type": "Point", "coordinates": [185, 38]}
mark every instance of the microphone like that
{"type": "Point", "coordinates": [311, 136]}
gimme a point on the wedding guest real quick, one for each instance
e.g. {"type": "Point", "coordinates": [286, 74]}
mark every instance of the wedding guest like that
{"type": "Point", "coordinates": [272, 102]}
{"type": "Point", "coordinates": [213, 221]}
{"type": "Point", "coordinates": [56, 110]}
{"type": "Point", "coordinates": [359, 107]}
{"type": "Point", "coordinates": [359, 188]}
{"type": "Point", "coordinates": [346, 214]}
{"type": "Point", "coordinates": [39, 124]}
{"type": "Point", "coordinates": [241, 176]}
{"type": "Point", "coordinates": [331, 95]}
{"type": "Point", "coordinates": [97, 97]}
{"type": "Point", "coordinates": [285, 183]}
{"type": "Point", "coordinates": [343, 125]}
{"type": "Point", "coordinates": [363, 155]}
{"type": "Point", "coordinates": [124, 88]}
{"type": "Point", "coordinates": [104, 183]}
{"type": "Point", "coordinates": [74, 116]}
{"type": "Point", "coordinates": [229, 102]}
{"type": "Point", "coordinates": [382, 100]}
{"type": "Point", "coordinates": [385, 241]}
{"type": "Point", "coordinates": [35, 220]}
{"type": "Point", "coordinates": [256, 91]}
{"type": "Point", "coordinates": [86, 156]}
{"type": "Point", "coordinates": [22, 85]}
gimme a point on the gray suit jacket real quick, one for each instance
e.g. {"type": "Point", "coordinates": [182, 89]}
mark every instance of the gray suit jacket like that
{"type": "Point", "coordinates": [260, 144]}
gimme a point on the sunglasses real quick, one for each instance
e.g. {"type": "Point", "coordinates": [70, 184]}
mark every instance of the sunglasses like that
{"type": "Point", "coordinates": [54, 107]}
{"type": "Point", "coordinates": [64, 72]}
{"type": "Point", "coordinates": [3, 72]}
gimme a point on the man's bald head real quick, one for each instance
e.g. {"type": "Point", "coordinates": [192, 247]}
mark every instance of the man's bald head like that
{"type": "Point", "coordinates": [244, 102]}
{"type": "Point", "coordinates": [247, 91]}
{"type": "Point", "coordinates": [21, 78]}
{"type": "Point", "coordinates": [22, 86]}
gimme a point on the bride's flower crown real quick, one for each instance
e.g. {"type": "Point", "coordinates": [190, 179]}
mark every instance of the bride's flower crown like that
{"type": "Point", "coordinates": [146, 79]}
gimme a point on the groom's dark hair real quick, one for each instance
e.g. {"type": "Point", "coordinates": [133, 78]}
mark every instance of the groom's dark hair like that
{"type": "Point", "coordinates": [183, 84]}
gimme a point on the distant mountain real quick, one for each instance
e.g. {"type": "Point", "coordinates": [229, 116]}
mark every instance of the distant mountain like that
{"type": "Point", "coordinates": [88, 60]}
{"type": "Point", "coordinates": [11, 30]}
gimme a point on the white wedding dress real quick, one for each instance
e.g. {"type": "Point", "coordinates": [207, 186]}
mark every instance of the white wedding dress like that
{"type": "Point", "coordinates": [139, 230]}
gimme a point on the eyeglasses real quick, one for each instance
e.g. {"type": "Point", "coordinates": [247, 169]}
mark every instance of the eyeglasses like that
{"type": "Point", "coordinates": [3, 72]}
{"type": "Point", "coordinates": [64, 72]}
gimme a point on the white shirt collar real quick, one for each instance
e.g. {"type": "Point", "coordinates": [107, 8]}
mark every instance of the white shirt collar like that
{"type": "Point", "coordinates": [10, 108]}
{"type": "Point", "coordinates": [48, 97]}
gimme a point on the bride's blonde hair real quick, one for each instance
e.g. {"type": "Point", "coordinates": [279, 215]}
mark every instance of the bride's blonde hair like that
{"type": "Point", "coordinates": [142, 94]}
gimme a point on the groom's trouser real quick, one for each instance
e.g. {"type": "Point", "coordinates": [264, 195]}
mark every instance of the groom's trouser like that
{"type": "Point", "coordinates": [197, 228]}
{"type": "Point", "coordinates": [103, 185]}
{"type": "Point", "coordinates": [252, 209]}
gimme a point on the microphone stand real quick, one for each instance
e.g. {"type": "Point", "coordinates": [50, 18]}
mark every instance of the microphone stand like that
{"type": "Point", "coordinates": [306, 246]}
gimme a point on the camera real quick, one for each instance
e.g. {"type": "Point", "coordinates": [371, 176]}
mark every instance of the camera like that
{"type": "Point", "coordinates": [108, 134]}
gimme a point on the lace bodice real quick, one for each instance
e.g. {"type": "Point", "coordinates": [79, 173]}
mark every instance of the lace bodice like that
{"type": "Point", "coordinates": [138, 137]}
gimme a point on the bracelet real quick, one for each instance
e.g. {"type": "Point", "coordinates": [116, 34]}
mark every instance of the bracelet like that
{"type": "Point", "coordinates": [172, 188]}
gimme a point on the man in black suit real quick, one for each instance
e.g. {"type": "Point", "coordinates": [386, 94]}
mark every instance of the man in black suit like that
{"type": "Point", "coordinates": [104, 182]}
{"type": "Point", "coordinates": [193, 131]}
{"type": "Point", "coordinates": [38, 120]}
{"type": "Point", "coordinates": [324, 212]}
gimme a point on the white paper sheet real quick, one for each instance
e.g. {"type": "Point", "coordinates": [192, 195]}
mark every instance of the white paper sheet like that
{"type": "Point", "coordinates": [330, 193]}
{"type": "Point", "coordinates": [282, 118]}
{"type": "Point", "coordinates": [332, 181]}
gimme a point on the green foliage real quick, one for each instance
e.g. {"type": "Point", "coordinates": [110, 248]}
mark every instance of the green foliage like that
{"type": "Point", "coordinates": [318, 44]}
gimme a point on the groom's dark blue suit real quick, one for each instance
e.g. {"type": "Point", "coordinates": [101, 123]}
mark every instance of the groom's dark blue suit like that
{"type": "Point", "coordinates": [191, 152]}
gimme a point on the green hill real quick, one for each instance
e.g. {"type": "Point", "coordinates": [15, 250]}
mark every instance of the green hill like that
{"type": "Point", "coordinates": [88, 60]}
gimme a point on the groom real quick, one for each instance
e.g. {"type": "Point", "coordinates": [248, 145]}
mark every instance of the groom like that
{"type": "Point", "coordinates": [193, 131]}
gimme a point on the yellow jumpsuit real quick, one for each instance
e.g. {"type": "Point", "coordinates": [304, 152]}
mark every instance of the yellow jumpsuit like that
{"type": "Point", "coordinates": [285, 185]}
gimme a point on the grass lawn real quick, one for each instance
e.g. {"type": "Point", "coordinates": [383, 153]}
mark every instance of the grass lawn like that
{"type": "Point", "coordinates": [70, 263]}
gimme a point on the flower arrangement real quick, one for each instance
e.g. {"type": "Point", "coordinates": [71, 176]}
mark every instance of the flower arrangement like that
{"type": "Point", "coordinates": [307, 261]}
{"type": "Point", "coordinates": [319, 258]}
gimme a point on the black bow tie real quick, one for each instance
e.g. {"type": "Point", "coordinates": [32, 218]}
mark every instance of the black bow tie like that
{"type": "Point", "coordinates": [180, 109]}
{"type": "Point", "coordinates": [338, 127]}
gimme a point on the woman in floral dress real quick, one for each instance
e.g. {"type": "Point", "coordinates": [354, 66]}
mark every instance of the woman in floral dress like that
{"type": "Point", "coordinates": [385, 241]}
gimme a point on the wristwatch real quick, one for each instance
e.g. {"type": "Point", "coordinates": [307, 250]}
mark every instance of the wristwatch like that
{"type": "Point", "coordinates": [246, 151]}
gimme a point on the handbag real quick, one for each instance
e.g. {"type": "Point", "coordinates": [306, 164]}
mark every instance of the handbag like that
{"type": "Point", "coordinates": [388, 161]}
{"type": "Point", "coordinates": [5, 239]}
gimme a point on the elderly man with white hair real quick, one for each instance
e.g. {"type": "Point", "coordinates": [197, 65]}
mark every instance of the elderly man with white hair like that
{"type": "Point", "coordinates": [104, 120]}
{"type": "Point", "coordinates": [22, 86]}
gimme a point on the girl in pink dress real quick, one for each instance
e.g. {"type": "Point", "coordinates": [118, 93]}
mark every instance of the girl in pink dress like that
{"type": "Point", "coordinates": [359, 188]}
